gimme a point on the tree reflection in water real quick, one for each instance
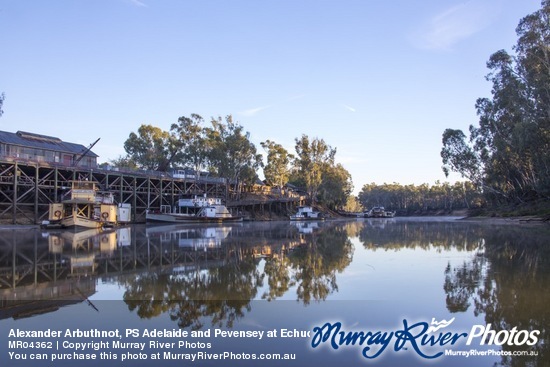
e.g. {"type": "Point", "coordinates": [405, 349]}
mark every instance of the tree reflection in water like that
{"type": "Point", "coordinates": [462, 282]}
{"type": "Point", "coordinates": [279, 280]}
{"type": "Point", "coordinates": [509, 285]}
{"type": "Point", "coordinates": [221, 293]}
{"type": "Point", "coordinates": [507, 279]}
{"type": "Point", "coordinates": [316, 262]}
{"type": "Point", "coordinates": [224, 293]}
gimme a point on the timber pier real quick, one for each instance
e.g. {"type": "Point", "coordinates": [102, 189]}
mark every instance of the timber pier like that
{"type": "Point", "coordinates": [27, 188]}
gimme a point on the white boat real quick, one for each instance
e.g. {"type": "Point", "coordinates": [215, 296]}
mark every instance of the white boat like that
{"type": "Point", "coordinates": [306, 213]}
{"type": "Point", "coordinates": [87, 207]}
{"type": "Point", "coordinates": [196, 209]}
{"type": "Point", "coordinates": [379, 212]}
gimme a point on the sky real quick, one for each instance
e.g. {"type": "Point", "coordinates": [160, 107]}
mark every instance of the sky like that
{"type": "Point", "coordinates": [379, 80]}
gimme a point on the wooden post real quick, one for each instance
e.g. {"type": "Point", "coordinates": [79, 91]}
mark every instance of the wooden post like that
{"type": "Point", "coordinates": [36, 193]}
{"type": "Point", "coordinates": [14, 203]}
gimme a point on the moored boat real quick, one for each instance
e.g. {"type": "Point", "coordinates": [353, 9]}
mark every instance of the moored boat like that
{"type": "Point", "coordinates": [306, 213]}
{"type": "Point", "coordinates": [344, 213]}
{"type": "Point", "coordinates": [379, 212]}
{"type": "Point", "coordinates": [87, 207]}
{"type": "Point", "coordinates": [196, 209]}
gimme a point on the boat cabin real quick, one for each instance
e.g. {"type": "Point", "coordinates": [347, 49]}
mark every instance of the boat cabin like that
{"type": "Point", "coordinates": [83, 191]}
{"type": "Point", "coordinates": [306, 212]}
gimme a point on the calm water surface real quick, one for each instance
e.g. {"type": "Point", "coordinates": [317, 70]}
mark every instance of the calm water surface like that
{"type": "Point", "coordinates": [369, 275]}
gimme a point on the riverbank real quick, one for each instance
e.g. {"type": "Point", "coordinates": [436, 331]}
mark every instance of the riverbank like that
{"type": "Point", "coordinates": [508, 220]}
{"type": "Point", "coordinates": [529, 212]}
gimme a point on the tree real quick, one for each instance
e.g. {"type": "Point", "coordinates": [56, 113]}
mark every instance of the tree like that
{"type": "Point", "coordinates": [353, 205]}
{"type": "Point", "coordinates": [411, 199]}
{"type": "Point", "coordinates": [460, 157]}
{"type": "Point", "coordinates": [277, 170]}
{"type": "Point", "coordinates": [152, 148]}
{"type": "Point", "coordinates": [192, 138]}
{"type": "Point", "coordinates": [231, 153]}
{"type": "Point", "coordinates": [123, 162]}
{"type": "Point", "coordinates": [335, 187]}
{"type": "Point", "coordinates": [310, 159]}
{"type": "Point", "coordinates": [508, 154]}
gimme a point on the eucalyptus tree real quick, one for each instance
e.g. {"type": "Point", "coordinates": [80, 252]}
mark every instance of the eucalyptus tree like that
{"type": "Point", "coordinates": [336, 186]}
{"type": "Point", "coordinates": [460, 156]}
{"type": "Point", "coordinates": [152, 148]}
{"type": "Point", "coordinates": [277, 169]}
{"type": "Point", "coordinates": [194, 145]}
{"type": "Point", "coordinates": [124, 162]}
{"type": "Point", "coordinates": [232, 154]}
{"type": "Point", "coordinates": [508, 154]}
{"type": "Point", "coordinates": [311, 158]}
{"type": "Point", "coordinates": [353, 204]}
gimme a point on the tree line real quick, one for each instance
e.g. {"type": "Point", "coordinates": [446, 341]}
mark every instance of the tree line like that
{"type": "Point", "coordinates": [224, 149]}
{"type": "Point", "coordinates": [508, 155]}
{"type": "Point", "coordinates": [421, 199]}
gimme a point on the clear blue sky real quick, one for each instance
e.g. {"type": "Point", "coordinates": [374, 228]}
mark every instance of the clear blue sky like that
{"type": "Point", "coordinates": [378, 80]}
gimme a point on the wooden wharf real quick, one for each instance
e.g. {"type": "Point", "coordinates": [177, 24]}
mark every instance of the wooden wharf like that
{"type": "Point", "coordinates": [27, 188]}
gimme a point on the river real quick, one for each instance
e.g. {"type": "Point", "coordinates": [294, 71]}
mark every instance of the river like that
{"type": "Point", "coordinates": [383, 292]}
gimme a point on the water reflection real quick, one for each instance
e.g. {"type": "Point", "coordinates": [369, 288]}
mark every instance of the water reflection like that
{"type": "Point", "coordinates": [194, 238]}
{"type": "Point", "coordinates": [316, 261]}
{"type": "Point", "coordinates": [200, 275]}
{"type": "Point", "coordinates": [440, 236]}
{"type": "Point", "coordinates": [506, 280]}
{"type": "Point", "coordinates": [509, 285]}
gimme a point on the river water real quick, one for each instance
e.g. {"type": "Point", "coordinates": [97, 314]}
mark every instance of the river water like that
{"type": "Point", "coordinates": [383, 292]}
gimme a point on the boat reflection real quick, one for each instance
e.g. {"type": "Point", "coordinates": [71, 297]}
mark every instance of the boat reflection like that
{"type": "Point", "coordinates": [82, 247]}
{"type": "Point", "coordinates": [307, 227]}
{"type": "Point", "coordinates": [196, 238]}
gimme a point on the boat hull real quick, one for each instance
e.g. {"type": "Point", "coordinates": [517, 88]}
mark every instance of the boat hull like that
{"type": "Point", "coordinates": [74, 221]}
{"type": "Point", "coordinates": [178, 218]}
{"type": "Point", "coordinates": [293, 218]}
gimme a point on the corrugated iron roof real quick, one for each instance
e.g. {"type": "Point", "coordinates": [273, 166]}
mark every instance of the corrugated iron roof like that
{"type": "Point", "coordinates": [38, 141]}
